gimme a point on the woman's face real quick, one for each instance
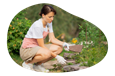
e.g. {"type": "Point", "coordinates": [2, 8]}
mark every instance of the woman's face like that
{"type": "Point", "coordinates": [48, 17]}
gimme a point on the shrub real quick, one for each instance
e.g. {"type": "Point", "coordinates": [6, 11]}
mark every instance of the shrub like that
{"type": "Point", "coordinates": [16, 32]}
{"type": "Point", "coordinates": [92, 56]}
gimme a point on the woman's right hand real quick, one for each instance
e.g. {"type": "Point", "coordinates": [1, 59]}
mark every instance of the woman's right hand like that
{"type": "Point", "coordinates": [66, 45]}
{"type": "Point", "coordinates": [60, 59]}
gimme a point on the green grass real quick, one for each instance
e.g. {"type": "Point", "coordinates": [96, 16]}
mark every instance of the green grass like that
{"type": "Point", "coordinates": [16, 58]}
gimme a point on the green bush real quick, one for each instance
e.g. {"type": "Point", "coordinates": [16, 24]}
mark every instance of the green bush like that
{"type": "Point", "coordinates": [16, 32]}
{"type": "Point", "coordinates": [92, 56]}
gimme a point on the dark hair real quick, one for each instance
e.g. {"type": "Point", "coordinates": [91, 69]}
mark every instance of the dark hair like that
{"type": "Point", "coordinates": [46, 9]}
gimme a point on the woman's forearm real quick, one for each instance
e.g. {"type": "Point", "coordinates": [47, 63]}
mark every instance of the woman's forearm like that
{"type": "Point", "coordinates": [52, 54]}
{"type": "Point", "coordinates": [56, 41]}
{"type": "Point", "coordinates": [45, 47]}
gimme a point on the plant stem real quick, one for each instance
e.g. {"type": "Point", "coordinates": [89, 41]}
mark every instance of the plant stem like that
{"type": "Point", "coordinates": [86, 35]}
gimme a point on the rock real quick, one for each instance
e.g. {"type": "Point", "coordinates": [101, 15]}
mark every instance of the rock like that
{"type": "Point", "coordinates": [49, 64]}
{"type": "Point", "coordinates": [70, 61]}
{"type": "Point", "coordinates": [82, 67]}
{"type": "Point", "coordinates": [74, 67]}
{"type": "Point", "coordinates": [69, 68]}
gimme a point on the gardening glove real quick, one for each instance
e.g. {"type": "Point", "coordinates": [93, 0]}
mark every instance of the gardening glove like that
{"type": "Point", "coordinates": [60, 59]}
{"type": "Point", "coordinates": [67, 45]}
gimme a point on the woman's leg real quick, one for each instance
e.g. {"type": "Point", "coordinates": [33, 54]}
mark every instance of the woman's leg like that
{"type": "Point", "coordinates": [55, 49]}
{"type": "Point", "coordinates": [41, 55]}
{"type": "Point", "coordinates": [44, 55]}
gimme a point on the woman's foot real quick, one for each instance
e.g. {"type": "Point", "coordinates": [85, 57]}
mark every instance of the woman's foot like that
{"type": "Point", "coordinates": [27, 66]}
{"type": "Point", "coordinates": [40, 68]}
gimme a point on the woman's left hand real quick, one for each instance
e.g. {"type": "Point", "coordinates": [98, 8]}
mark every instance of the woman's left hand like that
{"type": "Point", "coordinates": [66, 45]}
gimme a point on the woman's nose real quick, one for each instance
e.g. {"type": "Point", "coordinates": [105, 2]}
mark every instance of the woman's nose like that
{"type": "Point", "coordinates": [52, 18]}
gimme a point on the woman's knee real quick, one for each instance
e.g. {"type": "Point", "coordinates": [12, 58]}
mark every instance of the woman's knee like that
{"type": "Point", "coordinates": [56, 49]}
{"type": "Point", "coordinates": [44, 53]}
{"type": "Point", "coordinates": [60, 48]}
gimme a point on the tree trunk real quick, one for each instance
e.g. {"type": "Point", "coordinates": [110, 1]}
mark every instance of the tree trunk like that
{"type": "Point", "coordinates": [86, 35]}
{"type": "Point", "coordinates": [99, 36]}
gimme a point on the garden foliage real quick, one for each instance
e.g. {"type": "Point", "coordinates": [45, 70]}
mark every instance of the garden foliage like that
{"type": "Point", "coordinates": [76, 30]}
{"type": "Point", "coordinates": [16, 32]}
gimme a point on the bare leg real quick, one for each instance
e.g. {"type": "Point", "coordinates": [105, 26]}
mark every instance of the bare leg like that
{"type": "Point", "coordinates": [41, 55]}
{"type": "Point", "coordinates": [55, 49]}
{"type": "Point", "coordinates": [44, 55]}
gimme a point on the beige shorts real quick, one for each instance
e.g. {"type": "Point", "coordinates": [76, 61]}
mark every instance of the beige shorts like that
{"type": "Point", "coordinates": [27, 54]}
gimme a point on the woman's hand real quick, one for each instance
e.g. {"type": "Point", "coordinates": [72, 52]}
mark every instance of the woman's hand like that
{"type": "Point", "coordinates": [66, 45]}
{"type": "Point", "coordinates": [60, 59]}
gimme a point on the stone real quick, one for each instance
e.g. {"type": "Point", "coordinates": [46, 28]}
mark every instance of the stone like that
{"type": "Point", "coordinates": [82, 67]}
{"type": "Point", "coordinates": [49, 64]}
{"type": "Point", "coordinates": [75, 67]}
{"type": "Point", "coordinates": [69, 68]}
{"type": "Point", "coordinates": [70, 61]}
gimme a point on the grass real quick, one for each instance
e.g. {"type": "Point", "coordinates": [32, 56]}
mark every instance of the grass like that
{"type": "Point", "coordinates": [16, 58]}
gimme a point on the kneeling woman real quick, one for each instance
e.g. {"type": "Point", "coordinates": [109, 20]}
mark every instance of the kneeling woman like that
{"type": "Point", "coordinates": [33, 49]}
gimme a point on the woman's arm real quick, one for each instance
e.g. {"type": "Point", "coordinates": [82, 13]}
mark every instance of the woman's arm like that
{"type": "Point", "coordinates": [54, 40]}
{"type": "Point", "coordinates": [41, 43]}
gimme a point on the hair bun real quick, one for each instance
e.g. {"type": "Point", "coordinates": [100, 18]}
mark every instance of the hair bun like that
{"type": "Point", "coordinates": [46, 9]}
{"type": "Point", "coordinates": [40, 14]}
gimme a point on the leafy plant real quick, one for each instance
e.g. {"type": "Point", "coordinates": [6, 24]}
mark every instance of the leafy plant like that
{"type": "Point", "coordinates": [16, 32]}
{"type": "Point", "coordinates": [91, 53]}
{"type": "Point", "coordinates": [90, 33]}
{"type": "Point", "coordinates": [91, 56]}
{"type": "Point", "coordinates": [70, 63]}
{"type": "Point", "coordinates": [58, 67]}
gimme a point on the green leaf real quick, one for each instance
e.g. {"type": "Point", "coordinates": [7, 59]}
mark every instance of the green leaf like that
{"type": "Point", "coordinates": [87, 24]}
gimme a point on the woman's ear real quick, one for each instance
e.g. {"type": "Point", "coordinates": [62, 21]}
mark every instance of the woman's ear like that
{"type": "Point", "coordinates": [43, 15]}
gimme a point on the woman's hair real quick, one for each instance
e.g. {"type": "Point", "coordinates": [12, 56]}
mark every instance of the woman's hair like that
{"type": "Point", "coordinates": [46, 9]}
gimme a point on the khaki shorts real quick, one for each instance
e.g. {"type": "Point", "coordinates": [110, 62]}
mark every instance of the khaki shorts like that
{"type": "Point", "coordinates": [27, 54]}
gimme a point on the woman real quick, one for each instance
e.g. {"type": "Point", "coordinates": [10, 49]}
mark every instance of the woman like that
{"type": "Point", "coordinates": [33, 49]}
